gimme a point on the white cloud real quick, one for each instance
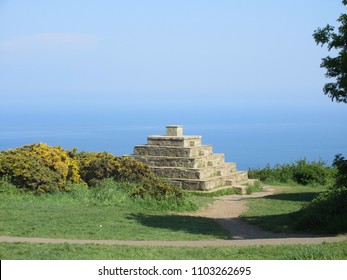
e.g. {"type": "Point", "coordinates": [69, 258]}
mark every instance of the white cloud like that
{"type": "Point", "coordinates": [50, 41]}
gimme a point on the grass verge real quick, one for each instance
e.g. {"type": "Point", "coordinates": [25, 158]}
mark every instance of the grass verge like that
{"type": "Point", "coordinates": [277, 212]}
{"type": "Point", "coordinates": [18, 251]}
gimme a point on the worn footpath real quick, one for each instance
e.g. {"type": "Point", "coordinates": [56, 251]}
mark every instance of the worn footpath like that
{"type": "Point", "coordinates": [226, 211]}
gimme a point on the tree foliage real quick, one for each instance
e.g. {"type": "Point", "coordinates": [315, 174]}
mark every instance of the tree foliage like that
{"type": "Point", "coordinates": [336, 66]}
{"type": "Point", "coordinates": [340, 163]}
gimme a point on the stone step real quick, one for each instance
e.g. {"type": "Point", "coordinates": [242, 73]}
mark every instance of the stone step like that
{"type": "Point", "coordinates": [199, 185]}
{"type": "Point", "coordinates": [208, 184]}
{"type": "Point", "coordinates": [155, 161]}
{"type": "Point", "coordinates": [173, 141]}
{"type": "Point", "coordinates": [146, 150]}
{"type": "Point", "coordinates": [241, 189]}
{"type": "Point", "coordinates": [184, 162]}
{"type": "Point", "coordinates": [236, 177]}
{"type": "Point", "coordinates": [195, 173]}
{"type": "Point", "coordinates": [210, 160]}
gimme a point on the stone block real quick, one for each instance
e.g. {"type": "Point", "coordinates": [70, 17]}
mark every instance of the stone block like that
{"type": "Point", "coordinates": [199, 185]}
{"type": "Point", "coordinates": [237, 177]}
{"type": "Point", "coordinates": [174, 130]}
{"type": "Point", "coordinates": [163, 151]}
{"type": "Point", "coordinates": [153, 161]}
{"type": "Point", "coordinates": [170, 141]}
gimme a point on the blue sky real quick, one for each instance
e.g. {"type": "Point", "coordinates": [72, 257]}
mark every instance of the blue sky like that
{"type": "Point", "coordinates": [159, 53]}
{"type": "Point", "coordinates": [102, 75]}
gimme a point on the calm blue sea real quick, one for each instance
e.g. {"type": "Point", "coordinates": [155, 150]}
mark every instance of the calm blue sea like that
{"type": "Point", "coordinates": [251, 138]}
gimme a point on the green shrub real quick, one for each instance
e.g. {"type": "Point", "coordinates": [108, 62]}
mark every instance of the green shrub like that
{"type": "Point", "coordinates": [254, 187]}
{"type": "Point", "coordinates": [308, 173]}
{"type": "Point", "coordinates": [279, 173]}
{"type": "Point", "coordinates": [340, 163]}
{"type": "Point", "coordinates": [42, 168]}
{"type": "Point", "coordinates": [95, 167]}
{"type": "Point", "coordinates": [39, 167]}
{"type": "Point", "coordinates": [326, 213]}
{"type": "Point", "coordinates": [301, 172]}
{"type": "Point", "coordinates": [283, 173]}
{"type": "Point", "coordinates": [157, 189]}
{"type": "Point", "coordinates": [7, 188]}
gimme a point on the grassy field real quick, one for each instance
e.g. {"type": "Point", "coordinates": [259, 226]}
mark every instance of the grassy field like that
{"type": "Point", "coordinates": [329, 251]}
{"type": "Point", "coordinates": [277, 212]}
{"type": "Point", "coordinates": [80, 216]}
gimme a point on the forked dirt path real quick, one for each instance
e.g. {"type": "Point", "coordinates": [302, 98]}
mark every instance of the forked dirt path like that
{"type": "Point", "coordinates": [226, 211]}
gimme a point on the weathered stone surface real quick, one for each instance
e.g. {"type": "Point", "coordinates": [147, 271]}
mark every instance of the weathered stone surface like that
{"type": "Point", "coordinates": [153, 161]}
{"type": "Point", "coordinates": [163, 151]}
{"type": "Point", "coordinates": [235, 177]}
{"type": "Point", "coordinates": [185, 162]}
{"type": "Point", "coordinates": [200, 185]}
{"type": "Point", "coordinates": [174, 130]}
{"type": "Point", "coordinates": [169, 141]}
{"type": "Point", "coordinates": [195, 173]}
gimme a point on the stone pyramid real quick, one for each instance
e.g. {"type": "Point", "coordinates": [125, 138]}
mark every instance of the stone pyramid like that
{"type": "Point", "coordinates": [185, 162]}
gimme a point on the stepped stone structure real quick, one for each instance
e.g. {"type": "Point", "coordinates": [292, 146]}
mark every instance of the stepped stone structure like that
{"type": "Point", "coordinates": [184, 161]}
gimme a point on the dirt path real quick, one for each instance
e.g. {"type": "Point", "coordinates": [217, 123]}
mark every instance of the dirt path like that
{"type": "Point", "coordinates": [226, 211]}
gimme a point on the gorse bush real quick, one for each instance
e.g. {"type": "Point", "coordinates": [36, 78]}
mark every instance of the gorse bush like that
{"type": "Point", "coordinates": [42, 168]}
{"type": "Point", "coordinates": [156, 188]}
{"type": "Point", "coordinates": [301, 172]}
{"type": "Point", "coordinates": [95, 167]}
{"type": "Point", "coordinates": [39, 167]}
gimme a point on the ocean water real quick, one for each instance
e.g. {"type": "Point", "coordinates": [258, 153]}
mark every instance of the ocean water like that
{"type": "Point", "coordinates": [251, 138]}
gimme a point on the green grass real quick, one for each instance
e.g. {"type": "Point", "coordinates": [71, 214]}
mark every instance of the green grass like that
{"type": "Point", "coordinates": [100, 214]}
{"type": "Point", "coordinates": [17, 251]}
{"type": "Point", "coordinates": [217, 193]}
{"type": "Point", "coordinates": [254, 187]}
{"type": "Point", "coordinates": [109, 214]}
{"type": "Point", "coordinates": [277, 212]}
{"type": "Point", "coordinates": [326, 213]}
